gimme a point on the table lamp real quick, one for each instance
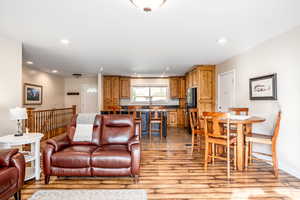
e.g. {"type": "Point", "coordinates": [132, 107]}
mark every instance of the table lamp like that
{"type": "Point", "coordinates": [18, 114]}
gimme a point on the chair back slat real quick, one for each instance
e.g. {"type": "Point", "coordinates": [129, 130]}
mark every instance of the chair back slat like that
{"type": "Point", "coordinates": [194, 118]}
{"type": "Point", "coordinates": [239, 111]}
{"type": "Point", "coordinates": [213, 118]}
{"type": "Point", "coordinates": [156, 114]}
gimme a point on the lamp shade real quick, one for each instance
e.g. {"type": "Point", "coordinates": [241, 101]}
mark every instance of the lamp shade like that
{"type": "Point", "coordinates": [18, 113]}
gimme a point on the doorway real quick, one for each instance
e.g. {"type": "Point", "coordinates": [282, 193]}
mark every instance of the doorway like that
{"type": "Point", "coordinates": [89, 99]}
{"type": "Point", "coordinates": [226, 90]}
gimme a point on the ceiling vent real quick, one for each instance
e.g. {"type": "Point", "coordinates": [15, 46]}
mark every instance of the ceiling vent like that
{"type": "Point", "coordinates": [77, 75]}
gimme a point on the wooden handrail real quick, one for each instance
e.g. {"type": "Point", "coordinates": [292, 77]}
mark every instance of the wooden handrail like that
{"type": "Point", "coordinates": [50, 122]}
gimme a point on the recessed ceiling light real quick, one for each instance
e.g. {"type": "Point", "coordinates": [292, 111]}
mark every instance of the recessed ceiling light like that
{"type": "Point", "coordinates": [222, 41]}
{"type": "Point", "coordinates": [65, 41]}
{"type": "Point", "coordinates": [54, 71]}
{"type": "Point", "coordinates": [29, 62]}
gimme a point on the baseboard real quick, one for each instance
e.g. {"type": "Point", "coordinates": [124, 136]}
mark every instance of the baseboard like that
{"type": "Point", "coordinates": [281, 166]}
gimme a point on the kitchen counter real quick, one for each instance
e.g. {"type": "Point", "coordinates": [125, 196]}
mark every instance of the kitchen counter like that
{"type": "Point", "coordinates": [145, 116]}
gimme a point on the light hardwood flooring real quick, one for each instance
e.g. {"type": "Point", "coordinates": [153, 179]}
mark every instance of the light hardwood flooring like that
{"type": "Point", "coordinates": [169, 171]}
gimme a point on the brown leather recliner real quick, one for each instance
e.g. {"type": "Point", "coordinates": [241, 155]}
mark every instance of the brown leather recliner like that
{"type": "Point", "coordinates": [12, 173]}
{"type": "Point", "coordinates": [113, 151]}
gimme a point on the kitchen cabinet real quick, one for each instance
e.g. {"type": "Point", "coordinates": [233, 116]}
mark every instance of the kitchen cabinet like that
{"type": "Point", "coordinates": [182, 88]}
{"type": "Point", "coordinates": [125, 88]}
{"type": "Point", "coordinates": [172, 118]}
{"type": "Point", "coordinates": [177, 88]}
{"type": "Point", "coordinates": [174, 88]}
{"type": "Point", "coordinates": [111, 94]}
{"type": "Point", "coordinates": [181, 118]}
{"type": "Point", "coordinates": [202, 77]}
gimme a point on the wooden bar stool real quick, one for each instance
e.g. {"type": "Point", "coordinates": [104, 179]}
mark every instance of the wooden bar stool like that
{"type": "Point", "coordinates": [265, 139]}
{"type": "Point", "coordinates": [197, 130]}
{"type": "Point", "coordinates": [137, 116]}
{"type": "Point", "coordinates": [156, 117]}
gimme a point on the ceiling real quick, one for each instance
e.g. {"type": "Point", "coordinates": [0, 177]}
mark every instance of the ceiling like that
{"type": "Point", "coordinates": [122, 39]}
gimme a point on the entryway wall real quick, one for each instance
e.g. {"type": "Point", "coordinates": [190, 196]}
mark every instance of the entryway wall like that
{"type": "Point", "coordinates": [81, 85]}
{"type": "Point", "coordinates": [53, 87]}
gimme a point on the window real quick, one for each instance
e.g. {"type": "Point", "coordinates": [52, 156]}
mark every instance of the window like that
{"type": "Point", "coordinates": [149, 94]}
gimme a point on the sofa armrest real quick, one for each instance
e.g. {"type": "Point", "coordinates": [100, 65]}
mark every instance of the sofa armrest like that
{"type": "Point", "coordinates": [132, 141]}
{"type": "Point", "coordinates": [59, 142]}
{"type": "Point", "coordinates": [5, 156]}
{"type": "Point", "coordinates": [47, 154]}
{"type": "Point", "coordinates": [18, 161]}
{"type": "Point", "coordinates": [135, 159]}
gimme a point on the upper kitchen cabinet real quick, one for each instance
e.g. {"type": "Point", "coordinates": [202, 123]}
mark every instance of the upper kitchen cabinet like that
{"type": "Point", "coordinates": [182, 88]}
{"type": "Point", "coordinates": [124, 88]}
{"type": "Point", "coordinates": [174, 88]}
{"type": "Point", "coordinates": [111, 94]}
{"type": "Point", "coordinates": [177, 87]}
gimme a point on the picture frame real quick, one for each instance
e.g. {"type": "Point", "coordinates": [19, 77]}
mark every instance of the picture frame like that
{"type": "Point", "coordinates": [263, 87]}
{"type": "Point", "coordinates": [33, 94]}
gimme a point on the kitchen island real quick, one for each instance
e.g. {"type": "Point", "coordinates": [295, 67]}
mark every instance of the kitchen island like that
{"type": "Point", "coordinates": [145, 118]}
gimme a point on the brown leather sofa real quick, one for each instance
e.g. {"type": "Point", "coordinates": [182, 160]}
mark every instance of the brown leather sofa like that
{"type": "Point", "coordinates": [113, 151]}
{"type": "Point", "coordinates": [12, 173]}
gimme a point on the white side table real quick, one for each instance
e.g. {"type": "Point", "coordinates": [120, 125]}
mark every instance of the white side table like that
{"type": "Point", "coordinates": [9, 141]}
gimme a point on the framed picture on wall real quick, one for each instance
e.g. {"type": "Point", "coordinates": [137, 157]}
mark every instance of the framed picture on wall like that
{"type": "Point", "coordinates": [263, 88]}
{"type": "Point", "coordinates": [33, 94]}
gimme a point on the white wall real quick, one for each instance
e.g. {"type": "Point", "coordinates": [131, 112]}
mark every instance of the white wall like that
{"type": "Point", "coordinates": [279, 55]}
{"type": "Point", "coordinates": [10, 82]}
{"type": "Point", "coordinates": [53, 87]}
{"type": "Point", "coordinates": [75, 85]}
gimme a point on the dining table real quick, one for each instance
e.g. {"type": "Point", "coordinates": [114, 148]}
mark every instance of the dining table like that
{"type": "Point", "coordinates": [244, 126]}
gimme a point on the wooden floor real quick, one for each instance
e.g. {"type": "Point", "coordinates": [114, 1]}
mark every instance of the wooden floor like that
{"type": "Point", "coordinates": [169, 171]}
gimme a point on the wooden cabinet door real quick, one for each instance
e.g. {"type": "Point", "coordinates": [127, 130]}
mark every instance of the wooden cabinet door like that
{"type": "Point", "coordinates": [182, 88]}
{"type": "Point", "coordinates": [180, 117]}
{"type": "Point", "coordinates": [195, 77]}
{"type": "Point", "coordinates": [107, 92]}
{"type": "Point", "coordinates": [172, 118]}
{"type": "Point", "coordinates": [115, 90]}
{"type": "Point", "coordinates": [125, 88]}
{"type": "Point", "coordinates": [107, 85]}
{"type": "Point", "coordinates": [207, 77]}
{"type": "Point", "coordinates": [174, 88]}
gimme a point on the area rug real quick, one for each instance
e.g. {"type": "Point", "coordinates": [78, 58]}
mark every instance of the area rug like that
{"type": "Point", "coordinates": [89, 195]}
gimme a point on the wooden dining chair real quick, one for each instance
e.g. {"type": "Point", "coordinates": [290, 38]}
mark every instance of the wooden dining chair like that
{"type": "Point", "coordinates": [265, 139]}
{"type": "Point", "coordinates": [214, 136]}
{"type": "Point", "coordinates": [239, 111]}
{"type": "Point", "coordinates": [197, 129]}
{"type": "Point", "coordinates": [156, 117]}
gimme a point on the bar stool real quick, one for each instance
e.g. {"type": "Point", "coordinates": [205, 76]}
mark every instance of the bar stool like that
{"type": "Point", "coordinates": [156, 117]}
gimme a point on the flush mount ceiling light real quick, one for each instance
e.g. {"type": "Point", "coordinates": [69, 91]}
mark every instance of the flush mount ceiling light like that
{"type": "Point", "coordinates": [29, 62]}
{"type": "Point", "coordinates": [54, 71]}
{"type": "Point", "coordinates": [148, 5]}
{"type": "Point", "coordinates": [64, 41]}
{"type": "Point", "coordinates": [222, 41]}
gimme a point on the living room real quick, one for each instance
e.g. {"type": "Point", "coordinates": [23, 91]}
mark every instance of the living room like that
{"type": "Point", "coordinates": [160, 100]}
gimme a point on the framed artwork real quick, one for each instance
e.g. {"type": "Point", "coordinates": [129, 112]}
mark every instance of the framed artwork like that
{"type": "Point", "coordinates": [33, 94]}
{"type": "Point", "coordinates": [263, 88]}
